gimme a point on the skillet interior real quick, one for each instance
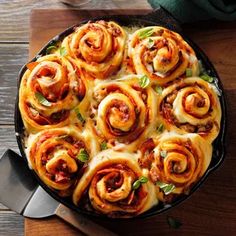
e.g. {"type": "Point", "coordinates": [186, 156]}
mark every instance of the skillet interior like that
{"type": "Point", "coordinates": [218, 144]}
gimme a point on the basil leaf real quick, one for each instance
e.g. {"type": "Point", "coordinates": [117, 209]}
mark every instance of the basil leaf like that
{"type": "Point", "coordinates": [207, 78]}
{"type": "Point", "coordinates": [166, 188]}
{"type": "Point", "coordinates": [145, 33]}
{"type": "Point", "coordinates": [144, 81]}
{"type": "Point", "coordinates": [63, 51]}
{"type": "Point", "coordinates": [42, 100]}
{"type": "Point", "coordinates": [50, 48]}
{"type": "Point", "coordinates": [188, 72]}
{"type": "Point", "coordinates": [159, 89]}
{"type": "Point", "coordinates": [79, 116]}
{"type": "Point", "coordinates": [83, 155]}
{"type": "Point", "coordinates": [150, 43]}
{"type": "Point", "coordinates": [160, 128]}
{"type": "Point", "coordinates": [173, 223]}
{"type": "Point", "coordinates": [136, 185]}
{"type": "Point", "coordinates": [143, 179]}
{"type": "Point", "coordinates": [103, 145]}
{"type": "Point", "coordinates": [163, 153]}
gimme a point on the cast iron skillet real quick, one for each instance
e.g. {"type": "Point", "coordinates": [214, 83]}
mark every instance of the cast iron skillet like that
{"type": "Point", "coordinates": [158, 17]}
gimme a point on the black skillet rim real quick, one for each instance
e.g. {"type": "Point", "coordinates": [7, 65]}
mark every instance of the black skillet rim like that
{"type": "Point", "coordinates": [218, 145]}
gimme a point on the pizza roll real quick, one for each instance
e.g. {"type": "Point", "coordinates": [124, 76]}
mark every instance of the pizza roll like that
{"type": "Point", "coordinates": [97, 47]}
{"type": "Point", "coordinates": [109, 183]}
{"type": "Point", "coordinates": [161, 54]}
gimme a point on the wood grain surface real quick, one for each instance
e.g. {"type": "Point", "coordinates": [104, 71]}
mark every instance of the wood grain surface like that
{"type": "Point", "coordinates": [212, 209]}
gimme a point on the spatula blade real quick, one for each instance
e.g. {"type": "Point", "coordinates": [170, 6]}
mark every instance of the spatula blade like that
{"type": "Point", "coordinates": [40, 205]}
{"type": "Point", "coordinates": [17, 183]}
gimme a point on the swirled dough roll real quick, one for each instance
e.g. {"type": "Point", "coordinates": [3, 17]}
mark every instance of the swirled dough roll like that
{"type": "Point", "coordinates": [53, 154]}
{"type": "Point", "coordinates": [97, 47]}
{"type": "Point", "coordinates": [177, 160]}
{"type": "Point", "coordinates": [108, 181]}
{"type": "Point", "coordinates": [124, 112]}
{"type": "Point", "coordinates": [161, 54]}
{"type": "Point", "coordinates": [191, 106]}
{"type": "Point", "coordinates": [49, 90]}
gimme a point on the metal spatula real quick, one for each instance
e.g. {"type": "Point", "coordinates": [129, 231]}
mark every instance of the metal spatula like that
{"type": "Point", "coordinates": [20, 192]}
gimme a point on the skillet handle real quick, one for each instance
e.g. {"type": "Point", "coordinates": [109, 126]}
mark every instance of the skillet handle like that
{"type": "Point", "coordinates": [82, 223]}
{"type": "Point", "coordinates": [164, 18]}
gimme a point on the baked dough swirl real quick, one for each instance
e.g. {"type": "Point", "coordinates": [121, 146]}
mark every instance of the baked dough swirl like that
{"type": "Point", "coordinates": [109, 179]}
{"type": "Point", "coordinates": [97, 47]}
{"type": "Point", "coordinates": [49, 90]}
{"type": "Point", "coordinates": [175, 159]}
{"type": "Point", "coordinates": [123, 110]}
{"type": "Point", "coordinates": [53, 154]}
{"type": "Point", "coordinates": [191, 106]}
{"type": "Point", "coordinates": [161, 54]}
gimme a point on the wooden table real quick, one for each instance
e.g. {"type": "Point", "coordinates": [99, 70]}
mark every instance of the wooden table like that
{"type": "Point", "coordinates": [217, 211]}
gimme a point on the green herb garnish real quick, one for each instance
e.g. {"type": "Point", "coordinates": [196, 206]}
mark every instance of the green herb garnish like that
{"type": "Point", "coordinates": [79, 116]}
{"type": "Point", "coordinates": [173, 223]}
{"type": "Point", "coordinates": [103, 145]}
{"type": "Point", "coordinates": [63, 51]}
{"type": "Point", "coordinates": [163, 153]}
{"type": "Point", "coordinates": [207, 78]}
{"type": "Point", "coordinates": [42, 100]}
{"type": "Point", "coordinates": [160, 128]}
{"type": "Point", "coordinates": [144, 81]}
{"type": "Point", "coordinates": [143, 179]}
{"type": "Point", "coordinates": [158, 89]}
{"type": "Point", "coordinates": [50, 48]}
{"type": "Point", "coordinates": [150, 43]}
{"type": "Point", "coordinates": [188, 72]}
{"type": "Point", "coordinates": [138, 182]}
{"type": "Point", "coordinates": [166, 188]}
{"type": "Point", "coordinates": [145, 33]}
{"type": "Point", "coordinates": [83, 155]}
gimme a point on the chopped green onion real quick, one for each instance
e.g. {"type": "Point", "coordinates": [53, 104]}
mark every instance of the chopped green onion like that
{"type": "Point", "coordinates": [173, 223]}
{"type": "Point", "coordinates": [79, 116]}
{"type": "Point", "coordinates": [163, 153]}
{"type": "Point", "coordinates": [143, 179]}
{"type": "Point", "coordinates": [158, 89]}
{"type": "Point", "coordinates": [63, 51]}
{"type": "Point", "coordinates": [50, 48]}
{"type": "Point", "coordinates": [160, 128]}
{"type": "Point", "coordinates": [188, 72]}
{"type": "Point", "coordinates": [145, 33]}
{"type": "Point", "coordinates": [83, 155]}
{"type": "Point", "coordinates": [136, 185]}
{"type": "Point", "coordinates": [150, 43]}
{"type": "Point", "coordinates": [207, 78]}
{"type": "Point", "coordinates": [144, 81]}
{"type": "Point", "coordinates": [42, 100]}
{"type": "Point", "coordinates": [103, 145]}
{"type": "Point", "coordinates": [166, 188]}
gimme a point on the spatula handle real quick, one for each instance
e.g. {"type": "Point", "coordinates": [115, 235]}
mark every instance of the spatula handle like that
{"type": "Point", "coordinates": [82, 223]}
